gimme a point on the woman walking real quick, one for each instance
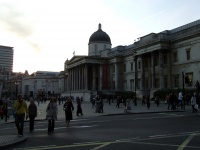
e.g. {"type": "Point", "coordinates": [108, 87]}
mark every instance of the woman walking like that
{"type": "Point", "coordinates": [32, 111]}
{"type": "Point", "coordinates": [194, 103]}
{"type": "Point", "coordinates": [52, 111]}
{"type": "Point", "coordinates": [68, 108]}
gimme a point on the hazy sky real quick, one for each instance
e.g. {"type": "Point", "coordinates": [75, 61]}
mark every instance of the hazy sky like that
{"type": "Point", "coordinates": [44, 33]}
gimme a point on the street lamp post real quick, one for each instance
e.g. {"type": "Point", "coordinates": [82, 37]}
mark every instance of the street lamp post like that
{"type": "Point", "coordinates": [16, 90]}
{"type": "Point", "coordinates": [183, 82]}
{"type": "Point", "coordinates": [135, 59]}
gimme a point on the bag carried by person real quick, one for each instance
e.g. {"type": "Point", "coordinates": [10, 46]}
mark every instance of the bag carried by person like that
{"type": "Point", "coordinates": [196, 107]}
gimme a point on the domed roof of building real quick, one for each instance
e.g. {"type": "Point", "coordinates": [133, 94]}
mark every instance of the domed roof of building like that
{"type": "Point", "coordinates": [99, 36]}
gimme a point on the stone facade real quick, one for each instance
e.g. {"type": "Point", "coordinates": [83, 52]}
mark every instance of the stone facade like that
{"type": "Point", "coordinates": [161, 60]}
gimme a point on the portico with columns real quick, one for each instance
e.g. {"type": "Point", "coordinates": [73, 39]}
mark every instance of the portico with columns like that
{"type": "Point", "coordinates": [161, 58]}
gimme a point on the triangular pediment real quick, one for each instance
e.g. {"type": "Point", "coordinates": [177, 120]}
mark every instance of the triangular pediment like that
{"type": "Point", "coordinates": [76, 58]}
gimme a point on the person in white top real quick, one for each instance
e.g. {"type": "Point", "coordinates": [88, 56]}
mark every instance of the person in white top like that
{"type": "Point", "coordinates": [194, 103]}
{"type": "Point", "coordinates": [180, 100]}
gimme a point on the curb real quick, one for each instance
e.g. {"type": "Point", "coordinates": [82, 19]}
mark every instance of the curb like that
{"type": "Point", "coordinates": [13, 142]}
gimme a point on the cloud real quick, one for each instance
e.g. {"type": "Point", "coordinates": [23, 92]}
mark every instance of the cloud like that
{"type": "Point", "coordinates": [15, 22]}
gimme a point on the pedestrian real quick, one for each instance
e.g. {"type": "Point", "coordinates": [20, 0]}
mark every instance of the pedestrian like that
{"type": "Point", "coordinates": [180, 100]}
{"type": "Point", "coordinates": [20, 107]}
{"type": "Point", "coordinates": [32, 111]}
{"type": "Point", "coordinates": [157, 100]}
{"type": "Point", "coordinates": [194, 103]}
{"type": "Point", "coordinates": [68, 107]}
{"type": "Point", "coordinates": [197, 85]}
{"type": "Point", "coordinates": [118, 102]}
{"type": "Point", "coordinates": [143, 100]}
{"type": "Point", "coordinates": [79, 109]}
{"type": "Point", "coordinates": [127, 106]}
{"type": "Point", "coordinates": [173, 98]}
{"type": "Point", "coordinates": [101, 105]}
{"type": "Point", "coordinates": [93, 102]}
{"type": "Point", "coordinates": [148, 101]}
{"type": "Point", "coordinates": [52, 111]}
{"type": "Point", "coordinates": [5, 110]}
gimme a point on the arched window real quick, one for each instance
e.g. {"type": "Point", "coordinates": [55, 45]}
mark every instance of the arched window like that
{"type": "Point", "coordinates": [95, 47]}
{"type": "Point", "coordinates": [104, 46]}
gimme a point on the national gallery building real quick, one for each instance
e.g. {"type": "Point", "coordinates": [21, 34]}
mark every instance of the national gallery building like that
{"type": "Point", "coordinates": [155, 61]}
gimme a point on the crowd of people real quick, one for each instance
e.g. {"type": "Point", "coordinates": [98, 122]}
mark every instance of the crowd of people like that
{"type": "Point", "coordinates": [23, 111]}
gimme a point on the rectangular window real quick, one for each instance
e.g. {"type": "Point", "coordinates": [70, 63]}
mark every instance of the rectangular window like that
{"type": "Point", "coordinates": [113, 85]}
{"type": "Point", "coordinates": [125, 84]}
{"type": "Point", "coordinates": [146, 83]}
{"type": "Point", "coordinates": [176, 80]}
{"type": "Point", "coordinates": [131, 84]}
{"type": "Point", "coordinates": [165, 82]}
{"type": "Point", "coordinates": [188, 54]}
{"type": "Point", "coordinates": [157, 83]}
{"type": "Point", "coordinates": [124, 67]}
{"type": "Point", "coordinates": [138, 83]}
{"type": "Point", "coordinates": [190, 79]}
{"type": "Point", "coordinates": [139, 65]}
{"type": "Point", "coordinates": [104, 46]}
{"type": "Point", "coordinates": [131, 66]}
{"type": "Point", "coordinates": [95, 47]}
{"type": "Point", "coordinates": [175, 56]}
{"type": "Point", "coordinates": [165, 59]}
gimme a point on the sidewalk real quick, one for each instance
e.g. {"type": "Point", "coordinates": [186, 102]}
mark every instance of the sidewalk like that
{"type": "Point", "coordinates": [88, 111]}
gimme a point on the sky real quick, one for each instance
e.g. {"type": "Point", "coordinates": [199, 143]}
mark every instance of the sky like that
{"type": "Point", "coordinates": [45, 33]}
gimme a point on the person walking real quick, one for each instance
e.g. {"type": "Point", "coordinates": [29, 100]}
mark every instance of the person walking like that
{"type": "Point", "coordinates": [173, 98]}
{"type": "Point", "coordinates": [157, 101]}
{"type": "Point", "coordinates": [79, 109]}
{"type": "Point", "coordinates": [68, 107]}
{"type": "Point", "coordinates": [101, 105]}
{"type": "Point", "coordinates": [148, 102]}
{"type": "Point", "coordinates": [32, 111]}
{"type": "Point", "coordinates": [193, 103]}
{"type": "Point", "coordinates": [180, 100]}
{"type": "Point", "coordinates": [52, 111]}
{"type": "Point", "coordinates": [5, 110]}
{"type": "Point", "coordinates": [20, 107]}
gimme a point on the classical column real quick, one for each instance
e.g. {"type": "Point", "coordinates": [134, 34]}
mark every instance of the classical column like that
{"type": "Point", "coordinates": [169, 72]}
{"type": "Point", "coordinates": [66, 83]}
{"type": "Point", "coordinates": [76, 78]}
{"type": "Point", "coordinates": [101, 77]}
{"type": "Point", "coordinates": [86, 77]}
{"type": "Point", "coordinates": [72, 80]}
{"type": "Point", "coordinates": [142, 71]}
{"type": "Point", "coordinates": [116, 76]}
{"type": "Point", "coordinates": [94, 77]}
{"type": "Point", "coordinates": [111, 76]}
{"type": "Point", "coordinates": [79, 77]}
{"type": "Point", "coordinates": [161, 69]}
{"type": "Point", "coordinates": [82, 78]}
{"type": "Point", "coordinates": [153, 69]}
{"type": "Point", "coordinates": [73, 76]}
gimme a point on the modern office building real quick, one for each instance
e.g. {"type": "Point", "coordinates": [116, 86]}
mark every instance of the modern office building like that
{"type": "Point", "coordinates": [6, 66]}
{"type": "Point", "coordinates": [6, 59]}
{"type": "Point", "coordinates": [155, 61]}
